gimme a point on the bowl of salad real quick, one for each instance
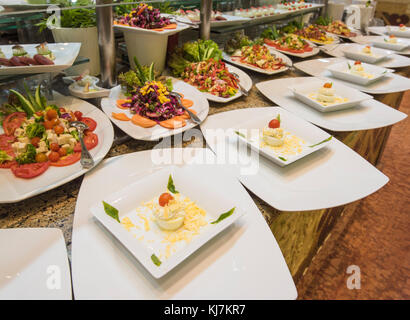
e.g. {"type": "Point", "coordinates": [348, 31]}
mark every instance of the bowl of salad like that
{"type": "Point", "coordinates": [146, 33]}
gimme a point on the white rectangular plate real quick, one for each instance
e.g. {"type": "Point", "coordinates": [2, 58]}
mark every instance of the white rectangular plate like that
{"type": "Point", "coordinates": [205, 190]}
{"type": "Point", "coordinates": [341, 70]}
{"type": "Point", "coordinates": [201, 106]}
{"type": "Point", "coordinates": [15, 189]}
{"type": "Point", "coordinates": [65, 54]}
{"type": "Point", "coordinates": [395, 30]}
{"type": "Point", "coordinates": [355, 52]}
{"type": "Point", "coordinates": [250, 132]}
{"type": "Point", "coordinates": [354, 97]}
{"type": "Point", "coordinates": [34, 265]}
{"type": "Point", "coordinates": [401, 44]}
{"type": "Point", "coordinates": [373, 39]}
{"type": "Point", "coordinates": [369, 114]}
{"type": "Point", "coordinates": [388, 84]}
{"type": "Point", "coordinates": [330, 177]}
{"type": "Point", "coordinates": [284, 58]}
{"type": "Point", "coordinates": [245, 257]}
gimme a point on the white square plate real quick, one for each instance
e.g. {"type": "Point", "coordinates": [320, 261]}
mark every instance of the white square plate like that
{"type": "Point", "coordinates": [207, 191]}
{"type": "Point", "coordinates": [245, 257]}
{"type": "Point", "coordinates": [329, 177]}
{"type": "Point", "coordinates": [284, 58]}
{"type": "Point", "coordinates": [392, 60]}
{"type": "Point", "coordinates": [341, 70]}
{"type": "Point", "coordinates": [65, 54]}
{"type": "Point", "coordinates": [201, 106]}
{"type": "Point", "coordinates": [369, 114]}
{"type": "Point", "coordinates": [34, 265]}
{"type": "Point", "coordinates": [388, 84]}
{"type": "Point", "coordinates": [368, 40]}
{"type": "Point", "coordinates": [401, 44]}
{"type": "Point", "coordinates": [395, 30]}
{"type": "Point", "coordinates": [303, 91]}
{"type": "Point", "coordinates": [15, 189]}
{"type": "Point", "coordinates": [355, 52]}
{"type": "Point", "coordinates": [313, 138]}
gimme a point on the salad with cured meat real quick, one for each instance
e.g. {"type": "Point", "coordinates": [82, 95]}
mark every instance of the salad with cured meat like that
{"type": "Point", "coordinates": [21, 57]}
{"type": "Point", "coordinates": [199, 64]}
{"type": "Point", "coordinates": [258, 56]}
{"type": "Point", "coordinates": [38, 135]}
{"type": "Point", "coordinates": [336, 27]}
{"type": "Point", "coordinates": [315, 34]}
{"type": "Point", "coordinates": [146, 17]}
{"type": "Point", "coordinates": [290, 43]}
{"type": "Point", "coordinates": [150, 100]}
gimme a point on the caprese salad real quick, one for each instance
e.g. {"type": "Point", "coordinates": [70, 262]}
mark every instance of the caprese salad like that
{"type": "Point", "coordinates": [38, 135]}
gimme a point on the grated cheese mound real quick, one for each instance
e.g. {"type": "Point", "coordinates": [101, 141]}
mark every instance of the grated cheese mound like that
{"type": "Point", "coordinates": [292, 145]}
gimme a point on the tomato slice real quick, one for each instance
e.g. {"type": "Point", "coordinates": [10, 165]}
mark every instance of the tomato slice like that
{"type": "Point", "coordinates": [12, 122]}
{"type": "Point", "coordinates": [6, 141]}
{"type": "Point", "coordinates": [30, 170]}
{"type": "Point", "coordinates": [90, 123]}
{"type": "Point", "coordinates": [8, 164]}
{"type": "Point", "coordinates": [67, 160]}
{"type": "Point", "coordinates": [90, 141]}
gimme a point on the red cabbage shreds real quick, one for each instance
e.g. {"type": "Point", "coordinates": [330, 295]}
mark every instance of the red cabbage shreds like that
{"type": "Point", "coordinates": [149, 105]}
{"type": "Point", "coordinates": [146, 17]}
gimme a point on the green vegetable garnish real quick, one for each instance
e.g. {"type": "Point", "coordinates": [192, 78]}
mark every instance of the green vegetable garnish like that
{"type": "Point", "coordinates": [4, 156]}
{"type": "Point", "coordinates": [326, 140]}
{"type": "Point", "coordinates": [156, 261]}
{"type": "Point", "coordinates": [240, 134]}
{"type": "Point", "coordinates": [111, 211]}
{"type": "Point", "coordinates": [349, 66]}
{"type": "Point", "coordinates": [27, 157]}
{"type": "Point", "coordinates": [278, 117]}
{"type": "Point", "coordinates": [35, 130]}
{"type": "Point", "coordinates": [282, 158]}
{"type": "Point", "coordinates": [171, 186]}
{"type": "Point", "coordinates": [224, 216]}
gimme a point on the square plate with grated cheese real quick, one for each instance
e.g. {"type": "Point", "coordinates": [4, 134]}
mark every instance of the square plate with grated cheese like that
{"type": "Point", "coordinates": [300, 137]}
{"type": "Point", "coordinates": [198, 196]}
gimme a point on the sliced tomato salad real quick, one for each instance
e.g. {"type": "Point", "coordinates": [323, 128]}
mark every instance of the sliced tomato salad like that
{"type": "Point", "coordinates": [12, 122]}
{"type": "Point", "coordinates": [305, 48]}
{"type": "Point", "coordinates": [67, 160]}
{"type": "Point", "coordinates": [30, 170]}
{"type": "Point", "coordinates": [90, 123]}
{"type": "Point", "coordinates": [90, 141]}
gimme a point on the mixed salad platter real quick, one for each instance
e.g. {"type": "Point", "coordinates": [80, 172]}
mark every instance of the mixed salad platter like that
{"type": "Point", "coordinates": [317, 35]}
{"type": "Point", "coordinates": [37, 58]}
{"type": "Point", "coordinates": [200, 65]}
{"type": "Point", "coordinates": [149, 108]}
{"type": "Point", "coordinates": [336, 27]}
{"type": "Point", "coordinates": [38, 135]}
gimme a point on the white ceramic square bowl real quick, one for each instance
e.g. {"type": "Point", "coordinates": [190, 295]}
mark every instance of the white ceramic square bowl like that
{"type": "Point", "coordinates": [208, 192]}
{"type": "Point", "coordinates": [303, 91]}
{"type": "Point", "coordinates": [355, 52]}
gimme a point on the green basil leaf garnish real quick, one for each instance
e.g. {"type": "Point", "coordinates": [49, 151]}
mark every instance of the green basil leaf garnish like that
{"type": "Point", "coordinates": [326, 140]}
{"type": "Point", "coordinates": [111, 211]}
{"type": "Point", "coordinates": [156, 261]}
{"type": "Point", "coordinates": [171, 186]}
{"type": "Point", "coordinates": [282, 158]}
{"type": "Point", "coordinates": [224, 216]}
{"type": "Point", "coordinates": [240, 134]}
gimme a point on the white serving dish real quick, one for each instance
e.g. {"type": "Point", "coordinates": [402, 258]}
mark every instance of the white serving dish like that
{"type": "Point", "coordinates": [34, 265]}
{"type": "Point", "coordinates": [245, 257]}
{"type": "Point", "coordinates": [400, 46]}
{"type": "Point", "coordinates": [250, 132]}
{"type": "Point", "coordinates": [390, 83]}
{"type": "Point", "coordinates": [355, 52]}
{"type": "Point", "coordinates": [395, 30]}
{"type": "Point", "coordinates": [341, 70]}
{"type": "Point", "coordinates": [330, 177]}
{"type": "Point", "coordinates": [201, 106]}
{"type": "Point", "coordinates": [354, 97]}
{"type": "Point", "coordinates": [284, 58]}
{"type": "Point", "coordinates": [15, 189]}
{"type": "Point", "coordinates": [65, 54]}
{"type": "Point", "coordinates": [367, 115]}
{"type": "Point", "coordinates": [391, 60]}
{"type": "Point", "coordinates": [191, 182]}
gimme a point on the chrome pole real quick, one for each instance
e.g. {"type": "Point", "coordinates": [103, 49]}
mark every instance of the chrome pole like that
{"type": "Point", "coordinates": [205, 27]}
{"type": "Point", "coordinates": [106, 43]}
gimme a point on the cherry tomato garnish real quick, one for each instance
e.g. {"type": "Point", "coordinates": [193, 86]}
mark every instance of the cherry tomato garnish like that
{"type": "Point", "coordinates": [62, 110]}
{"type": "Point", "coordinates": [274, 124]}
{"type": "Point", "coordinates": [54, 146]}
{"type": "Point", "coordinates": [34, 141]}
{"type": "Point", "coordinates": [41, 157]}
{"type": "Point", "coordinates": [78, 115]}
{"type": "Point", "coordinates": [51, 114]}
{"type": "Point", "coordinates": [48, 125]}
{"type": "Point", "coordinates": [357, 62]}
{"type": "Point", "coordinates": [39, 113]}
{"type": "Point", "coordinates": [53, 156]}
{"type": "Point", "coordinates": [62, 152]}
{"type": "Point", "coordinates": [58, 129]}
{"type": "Point", "coordinates": [164, 199]}
{"type": "Point", "coordinates": [55, 121]}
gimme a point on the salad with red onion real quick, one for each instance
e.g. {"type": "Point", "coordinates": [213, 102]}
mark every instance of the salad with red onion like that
{"type": "Point", "coordinates": [144, 16]}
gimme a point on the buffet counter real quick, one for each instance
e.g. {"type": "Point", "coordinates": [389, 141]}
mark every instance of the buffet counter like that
{"type": "Point", "coordinates": [299, 234]}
